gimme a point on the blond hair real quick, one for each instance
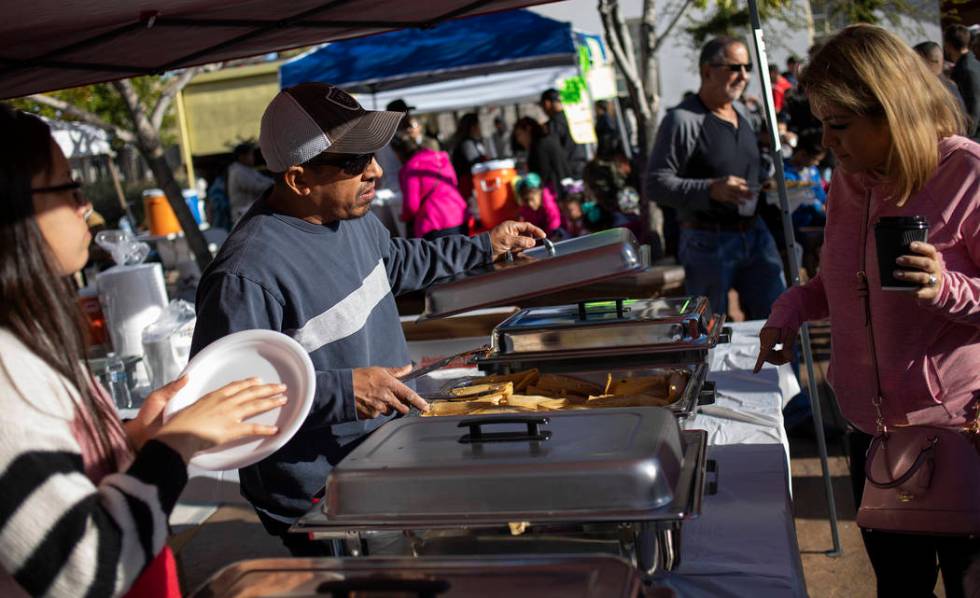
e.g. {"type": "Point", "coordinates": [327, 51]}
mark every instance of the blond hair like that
{"type": "Point", "coordinates": [871, 72]}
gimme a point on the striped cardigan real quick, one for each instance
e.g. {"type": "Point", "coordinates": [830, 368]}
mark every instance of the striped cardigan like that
{"type": "Point", "coordinates": [69, 527]}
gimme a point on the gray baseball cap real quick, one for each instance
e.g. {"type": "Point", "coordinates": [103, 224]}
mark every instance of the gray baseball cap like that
{"type": "Point", "coordinates": [305, 120]}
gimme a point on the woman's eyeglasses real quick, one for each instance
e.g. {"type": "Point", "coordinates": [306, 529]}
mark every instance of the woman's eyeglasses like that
{"type": "Point", "coordinates": [74, 186]}
{"type": "Point", "coordinates": [352, 164]}
{"type": "Point", "coordinates": [735, 67]}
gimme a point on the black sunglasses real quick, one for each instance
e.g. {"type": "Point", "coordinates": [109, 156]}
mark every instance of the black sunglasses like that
{"type": "Point", "coordinates": [735, 67]}
{"type": "Point", "coordinates": [73, 186]}
{"type": "Point", "coordinates": [352, 164]}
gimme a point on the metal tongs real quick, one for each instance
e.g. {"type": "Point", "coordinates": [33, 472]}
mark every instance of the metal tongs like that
{"type": "Point", "coordinates": [466, 355]}
{"type": "Point", "coordinates": [548, 245]}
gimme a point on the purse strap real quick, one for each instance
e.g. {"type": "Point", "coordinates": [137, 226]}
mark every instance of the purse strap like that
{"type": "Point", "coordinates": [924, 453]}
{"type": "Point", "coordinates": [864, 291]}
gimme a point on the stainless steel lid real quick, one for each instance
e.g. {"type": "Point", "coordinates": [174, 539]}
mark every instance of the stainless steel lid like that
{"type": "Point", "coordinates": [630, 332]}
{"type": "Point", "coordinates": [538, 271]}
{"type": "Point", "coordinates": [527, 576]}
{"type": "Point", "coordinates": [597, 465]}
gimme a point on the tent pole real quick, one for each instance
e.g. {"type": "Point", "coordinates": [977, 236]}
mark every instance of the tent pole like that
{"type": "Point", "coordinates": [794, 275]}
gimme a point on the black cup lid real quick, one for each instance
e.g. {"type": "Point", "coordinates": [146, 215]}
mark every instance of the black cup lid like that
{"type": "Point", "coordinates": [903, 221]}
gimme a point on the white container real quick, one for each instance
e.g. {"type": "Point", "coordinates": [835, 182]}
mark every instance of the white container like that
{"type": "Point", "coordinates": [132, 298]}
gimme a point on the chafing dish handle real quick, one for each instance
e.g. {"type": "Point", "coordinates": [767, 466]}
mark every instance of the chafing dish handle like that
{"type": "Point", "coordinates": [478, 435]}
{"type": "Point", "coordinates": [344, 588]}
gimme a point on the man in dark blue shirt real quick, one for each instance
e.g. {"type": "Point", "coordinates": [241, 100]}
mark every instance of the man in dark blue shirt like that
{"type": "Point", "coordinates": [706, 165]}
{"type": "Point", "coordinates": [309, 259]}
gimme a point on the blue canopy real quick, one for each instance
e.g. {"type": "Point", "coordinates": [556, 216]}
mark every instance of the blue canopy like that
{"type": "Point", "coordinates": [505, 41]}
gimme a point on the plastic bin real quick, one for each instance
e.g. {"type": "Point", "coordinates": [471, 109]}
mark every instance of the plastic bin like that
{"type": "Point", "coordinates": [493, 184]}
{"type": "Point", "coordinates": [159, 216]}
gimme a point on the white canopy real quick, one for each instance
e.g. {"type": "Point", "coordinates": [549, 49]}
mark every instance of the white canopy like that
{"type": "Point", "coordinates": [497, 88]}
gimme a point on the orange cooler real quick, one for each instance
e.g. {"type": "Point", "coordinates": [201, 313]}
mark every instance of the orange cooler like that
{"type": "Point", "coordinates": [158, 214]}
{"type": "Point", "coordinates": [493, 184]}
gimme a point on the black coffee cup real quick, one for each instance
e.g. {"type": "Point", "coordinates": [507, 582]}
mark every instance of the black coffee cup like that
{"type": "Point", "coordinates": [893, 237]}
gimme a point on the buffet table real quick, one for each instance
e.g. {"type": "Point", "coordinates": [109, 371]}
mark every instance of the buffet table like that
{"type": "Point", "coordinates": [751, 509]}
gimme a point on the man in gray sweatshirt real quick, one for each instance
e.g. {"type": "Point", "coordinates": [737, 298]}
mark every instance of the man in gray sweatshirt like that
{"type": "Point", "coordinates": [311, 260]}
{"type": "Point", "coordinates": [707, 166]}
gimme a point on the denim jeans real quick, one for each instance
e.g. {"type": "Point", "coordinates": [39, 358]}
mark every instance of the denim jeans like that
{"type": "Point", "coordinates": [749, 262]}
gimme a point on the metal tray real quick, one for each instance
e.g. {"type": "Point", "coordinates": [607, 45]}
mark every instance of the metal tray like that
{"type": "Point", "coordinates": [697, 392]}
{"type": "Point", "coordinates": [606, 465]}
{"type": "Point", "coordinates": [527, 576]}
{"type": "Point", "coordinates": [537, 271]}
{"type": "Point", "coordinates": [646, 332]}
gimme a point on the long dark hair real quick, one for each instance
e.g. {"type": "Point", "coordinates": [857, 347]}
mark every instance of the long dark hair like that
{"type": "Point", "coordinates": [36, 303]}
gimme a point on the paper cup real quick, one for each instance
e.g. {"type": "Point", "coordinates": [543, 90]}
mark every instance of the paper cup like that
{"type": "Point", "coordinates": [893, 237]}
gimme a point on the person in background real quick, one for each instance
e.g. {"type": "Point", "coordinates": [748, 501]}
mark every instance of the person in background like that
{"type": "Point", "coordinates": [932, 54]}
{"type": "Point", "coordinates": [386, 156]}
{"type": "Point", "coordinates": [431, 204]}
{"type": "Point", "coordinates": [606, 131]}
{"type": "Point", "coordinates": [313, 261]}
{"type": "Point", "coordinates": [218, 205]}
{"type": "Point", "coordinates": [536, 204]}
{"type": "Point", "coordinates": [966, 74]}
{"type": "Point", "coordinates": [245, 184]}
{"type": "Point", "coordinates": [500, 138]}
{"type": "Point", "coordinates": [610, 200]}
{"type": "Point", "coordinates": [792, 73]}
{"type": "Point", "coordinates": [780, 85]}
{"type": "Point", "coordinates": [544, 154]}
{"type": "Point", "coordinates": [804, 183]}
{"type": "Point", "coordinates": [706, 164]}
{"type": "Point", "coordinates": [557, 126]}
{"type": "Point", "coordinates": [86, 497]}
{"type": "Point", "coordinates": [468, 149]}
{"type": "Point", "coordinates": [863, 85]}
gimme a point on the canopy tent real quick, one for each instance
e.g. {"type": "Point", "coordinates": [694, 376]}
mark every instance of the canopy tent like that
{"type": "Point", "coordinates": [456, 94]}
{"type": "Point", "coordinates": [54, 44]}
{"type": "Point", "coordinates": [498, 43]}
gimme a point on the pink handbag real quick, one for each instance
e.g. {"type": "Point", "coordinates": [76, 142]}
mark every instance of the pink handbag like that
{"type": "Point", "coordinates": [919, 479]}
{"type": "Point", "coordinates": [922, 479]}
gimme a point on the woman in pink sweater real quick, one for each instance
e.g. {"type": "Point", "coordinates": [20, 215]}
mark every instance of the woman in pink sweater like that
{"type": "Point", "coordinates": [431, 203]}
{"type": "Point", "coordinates": [890, 125]}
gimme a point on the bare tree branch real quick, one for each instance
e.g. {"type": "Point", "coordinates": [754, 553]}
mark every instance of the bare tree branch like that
{"type": "Point", "coordinates": [84, 116]}
{"type": "Point", "coordinates": [173, 86]}
{"type": "Point", "coordinates": [670, 26]}
{"type": "Point", "coordinates": [151, 148]}
{"type": "Point", "coordinates": [650, 76]}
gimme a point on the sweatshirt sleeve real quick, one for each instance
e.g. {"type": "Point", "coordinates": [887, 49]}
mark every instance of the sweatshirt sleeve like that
{"type": "Point", "coordinates": [798, 305]}
{"type": "Point", "coordinates": [959, 295]}
{"type": "Point", "coordinates": [676, 140]}
{"type": "Point", "coordinates": [62, 535]}
{"type": "Point", "coordinates": [228, 303]}
{"type": "Point", "coordinates": [414, 264]}
{"type": "Point", "coordinates": [552, 214]}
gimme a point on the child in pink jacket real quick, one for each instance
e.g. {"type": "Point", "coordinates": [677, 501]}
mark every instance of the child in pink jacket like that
{"type": "Point", "coordinates": [536, 204]}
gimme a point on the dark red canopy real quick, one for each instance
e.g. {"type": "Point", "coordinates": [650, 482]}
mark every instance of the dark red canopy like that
{"type": "Point", "coordinates": [54, 44]}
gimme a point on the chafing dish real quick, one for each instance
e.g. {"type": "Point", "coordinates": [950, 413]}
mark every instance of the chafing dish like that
{"type": "Point", "coordinates": [538, 271]}
{"type": "Point", "coordinates": [624, 478]}
{"type": "Point", "coordinates": [632, 331]}
{"type": "Point", "coordinates": [530, 576]}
